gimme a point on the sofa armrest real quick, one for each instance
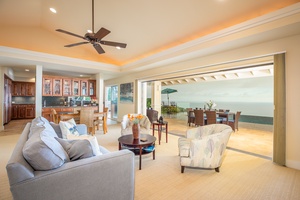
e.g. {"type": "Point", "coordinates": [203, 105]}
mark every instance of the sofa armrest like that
{"type": "Point", "coordinates": [109, 176]}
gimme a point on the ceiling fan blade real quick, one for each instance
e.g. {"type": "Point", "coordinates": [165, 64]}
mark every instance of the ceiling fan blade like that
{"type": "Point", "coordinates": [114, 44]}
{"type": "Point", "coordinates": [69, 33]}
{"type": "Point", "coordinates": [75, 44]}
{"type": "Point", "coordinates": [101, 33]}
{"type": "Point", "coordinates": [98, 48]}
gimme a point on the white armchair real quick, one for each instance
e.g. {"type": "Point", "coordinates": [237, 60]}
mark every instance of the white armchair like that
{"type": "Point", "coordinates": [204, 146]}
{"type": "Point", "coordinates": [126, 126]}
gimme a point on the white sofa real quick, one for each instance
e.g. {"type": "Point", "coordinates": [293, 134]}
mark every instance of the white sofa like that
{"type": "Point", "coordinates": [126, 126]}
{"type": "Point", "coordinates": [204, 146]}
{"type": "Point", "coordinates": [94, 177]}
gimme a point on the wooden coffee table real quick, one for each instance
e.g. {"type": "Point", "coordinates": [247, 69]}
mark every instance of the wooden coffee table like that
{"type": "Point", "coordinates": [137, 145]}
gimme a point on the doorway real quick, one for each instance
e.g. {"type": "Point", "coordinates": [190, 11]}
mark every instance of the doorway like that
{"type": "Point", "coordinates": [111, 101]}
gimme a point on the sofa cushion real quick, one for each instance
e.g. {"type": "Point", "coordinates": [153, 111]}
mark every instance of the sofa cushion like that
{"type": "Point", "coordinates": [76, 149]}
{"type": "Point", "coordinates": [42, 151]}
{"type": "Point", "coordinates": [92, 139]}
{"type": "Point", "coordinates": [68, 127]}
{"type": "Point", "coordinates": [57, 129]}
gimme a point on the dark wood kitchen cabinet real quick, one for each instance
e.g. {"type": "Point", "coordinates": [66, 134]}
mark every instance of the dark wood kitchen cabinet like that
{"type": "Point", "coordinates": [23, 111]}
{"type": "Point", "coordinates": [19, 89]}
{"type": "Point", "coordinates": [23, 89]}
{"type": "Point", "coordinates": [30, 111]}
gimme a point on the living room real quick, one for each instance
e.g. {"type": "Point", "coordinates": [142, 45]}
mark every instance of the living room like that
{"type": "Point", "coordinates": [271, 34]}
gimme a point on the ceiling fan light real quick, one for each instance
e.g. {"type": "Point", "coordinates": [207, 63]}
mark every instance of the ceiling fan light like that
{"type": "Point", "coordinates": [89, 31]}
{"type": "Point", "coordinates": [117, 47]}
{"type": "Point", "coordinates": [53, 10]}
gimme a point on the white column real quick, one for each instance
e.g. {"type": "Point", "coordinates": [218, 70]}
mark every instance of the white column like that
{"type": "Point", "coordinates": [156, 96]}
{"type": "Point", "coordinates": [38, 90]}
{"type": "Point", "coordinates": [1, 98]}
{"type": "Point", "coordinates": [100, 91]}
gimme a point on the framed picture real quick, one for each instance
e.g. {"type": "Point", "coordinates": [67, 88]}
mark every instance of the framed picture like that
{"type": "Point", "coordinates": [126, 93]}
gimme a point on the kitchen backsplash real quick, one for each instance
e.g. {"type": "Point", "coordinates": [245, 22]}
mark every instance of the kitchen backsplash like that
{"type": "Point", "coordinates": [23, 100]}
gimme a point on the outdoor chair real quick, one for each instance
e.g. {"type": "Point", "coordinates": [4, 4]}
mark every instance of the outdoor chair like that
{"type": "Point", "coordinates": [204, 147]}
{"type": "Point", "coordinates": [152, 115]}
{"type": "Point", "coordinates": [234, 123]}
{"type": "Point", "coordinates": [191, 117]}
{"type": "Point", "coordinates": [212, 117]}
{"type": "Point", "coordinates": [199, 118]}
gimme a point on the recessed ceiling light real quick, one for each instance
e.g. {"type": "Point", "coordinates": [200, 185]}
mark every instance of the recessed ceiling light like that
{"type": "Point", "coordinates": [81, 75]}
{"type": "Point", "coordinates": [53, 10]}
{"type": "Point", "coordinates": [26, 70]}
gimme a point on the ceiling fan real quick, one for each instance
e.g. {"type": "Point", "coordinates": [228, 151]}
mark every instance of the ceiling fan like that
{"type": "Point", "coordinates": [94, 38]}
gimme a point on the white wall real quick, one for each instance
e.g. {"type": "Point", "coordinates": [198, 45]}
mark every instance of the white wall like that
{"type": "Point", "coordinates": [288, 44]}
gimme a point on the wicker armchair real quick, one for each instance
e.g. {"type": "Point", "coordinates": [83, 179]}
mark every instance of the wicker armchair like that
{"type": "Point", "coordinates": [152, 115]}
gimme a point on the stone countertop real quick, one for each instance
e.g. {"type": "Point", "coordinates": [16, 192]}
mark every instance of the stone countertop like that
{"type": "Point", "coordinates": [67, 106]}
{"type": "Point", "coordinates": [22, 103]}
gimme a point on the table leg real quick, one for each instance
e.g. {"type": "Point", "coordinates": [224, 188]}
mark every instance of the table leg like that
{"type": "Point", "coordinates": [153, 153]}
{"type": "Point", "coordinates": [140, 167]}
{"type": "Point", "coordinates": [159, 133]}
{"type": "Point", "coordinates": [119, 146]}
{"type": "Point", "coordinates": [167, 132]}
{"type": "Point", "coordinates": [153, 129]}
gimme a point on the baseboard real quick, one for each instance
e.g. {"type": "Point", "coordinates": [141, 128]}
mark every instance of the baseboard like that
{"type": "Point", "coordinates": [293, 164]}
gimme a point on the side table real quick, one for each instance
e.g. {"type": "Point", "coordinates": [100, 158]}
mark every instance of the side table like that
{"type": "Point", "coordinates": [159, 129]}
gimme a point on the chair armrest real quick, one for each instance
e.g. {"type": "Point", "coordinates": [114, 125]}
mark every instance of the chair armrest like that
{"type": "Point", "coordinates": [184, 147]}
{"type": "Point", "coordinates": [123, 125]}
{"type": "Point", "coordinates": [193, 133]}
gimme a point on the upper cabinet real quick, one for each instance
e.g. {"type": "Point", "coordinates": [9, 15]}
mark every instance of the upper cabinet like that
{"type": "Point", "coordinates": [23, 89]}
{"type": "Point", "coordinates": [67, 87]}
{"type": "Point", "coordinates": [64, 86]}
{"type": "Point", "coordinates": [84, 88]}
{"type": "Point", "coordinates": [76, 87]}
{"type": "Point", "coordinates": [47, 86]}
{"type": "Point", "coordinates": [57, 87]}
{"type": "Point", "coordinates": [92, 88]}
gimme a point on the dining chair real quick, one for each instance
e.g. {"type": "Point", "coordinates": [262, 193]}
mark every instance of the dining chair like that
{"type": "Point", "coordinates": [212, 118]}
{"type": "Point", "coordinates": [87, 118]}
{"type": "Point", "coordinates": [65, 117]}
{"type": "Point", "coordinates": [234, 123]}
{"type": "Point", "coordinates": [223, 113]}
{"type": "Point", "coordinates": [199, 118]}
{"type": "Point", "coordinates": [98, 121]}
{"type": "Point", "coordinates": [191, 117]}
{"type": "Point", "coordinates": [54, 116]}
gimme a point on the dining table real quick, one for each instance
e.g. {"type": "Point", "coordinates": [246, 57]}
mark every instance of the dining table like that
{"type": "Point", "coordinates": [225, 115]}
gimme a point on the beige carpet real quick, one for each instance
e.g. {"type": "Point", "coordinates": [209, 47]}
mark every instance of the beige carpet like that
{"type": "Point", "coordinates": [241, 176]}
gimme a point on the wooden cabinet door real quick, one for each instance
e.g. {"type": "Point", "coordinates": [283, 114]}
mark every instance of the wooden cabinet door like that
{"type": "Point", "coordinates": [14, 112]}
{"type": "Point", "coordinates": [92, 88]}
{"type": "Point", "coordinates": [57, 87]}
{"type": "Point", "coordinates": [30, 89]}
{"type": "Point", "coordinates": [67, 87]}
{"type": "Point", "coordinates": [21, 111]}
{"type": "Point", "coordinates": [76, 87]}
{"type": "Point", "coordinates": [84, 88]}
{"type": "Point", "coordinates": [30, 111]}
{"type": "Point", "coordinates": [19, 89]}
{"type": "Point", "coordinates": [47, 86]}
